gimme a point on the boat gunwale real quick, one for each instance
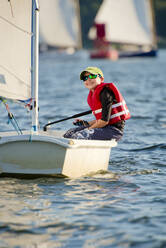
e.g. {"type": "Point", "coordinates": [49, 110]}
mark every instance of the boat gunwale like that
{"type": "Point", "coordinates": [67, 143]}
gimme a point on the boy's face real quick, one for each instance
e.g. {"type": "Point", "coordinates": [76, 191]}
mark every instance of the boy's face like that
{"type": "Point", "coordinates": [91, 83]}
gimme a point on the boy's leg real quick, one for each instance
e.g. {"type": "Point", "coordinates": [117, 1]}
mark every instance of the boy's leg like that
{"type": "Point", "coordinates": [106, 133]}
{"type": "Point", "coordinates": [71, 131]}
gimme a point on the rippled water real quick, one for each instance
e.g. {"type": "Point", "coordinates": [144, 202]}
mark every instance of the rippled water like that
{"type": "Point", "coordinates": [123, 207]}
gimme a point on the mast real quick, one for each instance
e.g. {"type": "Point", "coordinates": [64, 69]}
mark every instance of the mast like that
{"type": "Point", "coordinates": [77, 2]}
{"type": "Point", "coordinates": [154, 33]}
{"type": "Point", "coordinates": [35, 64]}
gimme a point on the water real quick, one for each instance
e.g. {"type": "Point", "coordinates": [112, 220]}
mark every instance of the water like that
{"type": "Point", "coordinates": [123, 207]}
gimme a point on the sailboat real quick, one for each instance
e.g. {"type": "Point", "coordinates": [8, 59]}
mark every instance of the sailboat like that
{"type": "Point", "coordinates": [35, 151]}
{"type": "Point", "coordinates": [128, 24]}
{"type": "Point", "coordinates": [60, 25]}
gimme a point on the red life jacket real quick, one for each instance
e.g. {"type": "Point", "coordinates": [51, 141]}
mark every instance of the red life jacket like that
{"type": "Point", "coordinates": [119, 108]}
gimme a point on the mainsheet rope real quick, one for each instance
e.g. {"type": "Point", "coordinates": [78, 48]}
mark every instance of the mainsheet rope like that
{"type": "Point", "coordinates": [11, 118]}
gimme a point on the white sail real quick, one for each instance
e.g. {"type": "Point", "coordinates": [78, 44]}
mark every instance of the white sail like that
{"type": "Point", "coordinates": [60, 23]}
{"type": "Point", "coordinates": [126, 21]}
{"type": "Point", "coordinates": [15, 52]}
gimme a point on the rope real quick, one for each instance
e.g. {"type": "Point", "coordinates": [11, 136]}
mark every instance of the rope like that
{"type": "Point", "coordinates": [11, 117]}
{"type": "Point", "coordinates": [15, 26]}
{"type": "Point", "coordinates": [13, 121]}
{"type": "Point", "coordinates": [27, 103]}
{"type": "Point", "coordinates": [11, 8]}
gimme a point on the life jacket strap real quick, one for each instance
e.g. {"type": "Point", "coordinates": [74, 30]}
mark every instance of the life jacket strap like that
{"type": "Point", "coordinates": [120, 113]}
{"type": "Point", "coordinates": [125, 111]}
{"type": "Point", "coordinates": [97, 111]}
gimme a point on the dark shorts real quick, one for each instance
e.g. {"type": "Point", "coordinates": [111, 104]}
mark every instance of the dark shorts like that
{"type": "Point", "coordinates": [104, 133]}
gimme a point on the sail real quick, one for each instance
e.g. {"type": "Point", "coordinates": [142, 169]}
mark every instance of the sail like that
{"type": "Point", "coordinates": [126, 21]}
{"type": "Point", "coordinates": [60, 23]}
{"type": "Point", "coordinates": [15, 52]}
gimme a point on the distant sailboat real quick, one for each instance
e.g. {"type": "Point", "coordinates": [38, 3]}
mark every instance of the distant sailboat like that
{"type": "Point", "coordinates": [34, 151]}
{"type": "Point", "coordinates": [129, 23]}
{"type": "Point", "coordinates": [60, 24]}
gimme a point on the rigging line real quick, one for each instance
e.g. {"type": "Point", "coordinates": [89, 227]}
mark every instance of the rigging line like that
{"type": "Point", "coordinates": [11, 7]}
{"type": "Point", "coordinates": [11, 73]}
{"type": "Point", "coordinates": [29, 33]}
{"type": "Point", "coordinates": [11, 117]}
{"type": "Point", "coordinates": [14, 123]}
{"type": "Point", "coordinates": [24, 103]}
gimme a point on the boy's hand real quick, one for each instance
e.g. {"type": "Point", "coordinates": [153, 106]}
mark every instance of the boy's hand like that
{"type": "Point", "coordinates": [79, 123]}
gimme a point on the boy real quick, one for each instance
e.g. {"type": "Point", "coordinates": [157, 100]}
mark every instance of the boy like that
{"type": "Point", "coordinates": [107, 105]}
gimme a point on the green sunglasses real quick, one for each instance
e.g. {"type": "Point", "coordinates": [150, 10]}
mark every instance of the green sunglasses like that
{"type": "Point", "coordinates": [91, 76]}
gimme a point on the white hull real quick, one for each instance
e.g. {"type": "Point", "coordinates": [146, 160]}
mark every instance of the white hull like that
{"type": "Point", "coordinates": [48, 153]}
